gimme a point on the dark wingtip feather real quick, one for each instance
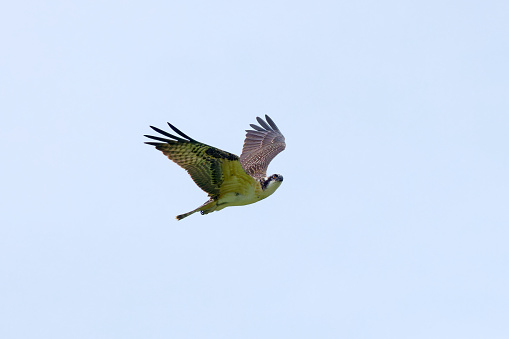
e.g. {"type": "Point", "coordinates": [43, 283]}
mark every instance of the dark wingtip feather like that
{"type": "Point", "coordinates": [159, 139]}
{"type": "Point", "coordinates": [153, 143]}
{"type": "Point", "coordinates": [158, 130]}
{"type": "Point", "coordinates": [179, 132]}
{"type": "Point", "coordinates": [258, 128]}
{"type": "Point", "coordinates": [271, 123]}
{"type": "Point", "coordinates": [263, 124]}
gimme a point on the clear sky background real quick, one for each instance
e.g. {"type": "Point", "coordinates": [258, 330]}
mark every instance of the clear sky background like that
{"type": "Point", "coordinates": [392, 221]}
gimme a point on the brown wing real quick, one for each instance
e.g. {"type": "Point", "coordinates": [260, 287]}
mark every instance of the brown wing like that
{"type": "Point", "coordinates": [203, 162]}
{"type": "Point", "coordinates": [260, 147]}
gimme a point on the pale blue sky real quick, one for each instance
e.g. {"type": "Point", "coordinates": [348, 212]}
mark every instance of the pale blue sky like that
{"type": "Point", "coordinates": [392, 221]}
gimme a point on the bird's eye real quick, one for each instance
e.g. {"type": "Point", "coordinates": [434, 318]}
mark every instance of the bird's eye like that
{"type": "Point", "coordinates": [274, 176]}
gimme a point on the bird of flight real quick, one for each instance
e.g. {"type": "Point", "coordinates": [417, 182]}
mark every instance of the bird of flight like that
{"type": "Point", "coordinates": [228, 179]}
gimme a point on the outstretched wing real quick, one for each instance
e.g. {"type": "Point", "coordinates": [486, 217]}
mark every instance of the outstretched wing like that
{"type": "Point", "coordinates": [261, 146]}
{"type": "Point", "coordinates": [204, 163]}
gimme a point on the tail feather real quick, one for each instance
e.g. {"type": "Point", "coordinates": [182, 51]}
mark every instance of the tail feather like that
{"type": "Point", "coordinates": [204, 209]}
{"type": "Point", "coordinates": [182, 216]}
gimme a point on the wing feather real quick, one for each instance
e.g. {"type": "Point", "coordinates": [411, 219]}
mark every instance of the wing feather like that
{"type": "Point", "coordinates": [204, 163]}
{"type": "Point", "coordinates": [263, 123]}
{"type": "Point", "coordinates": [258, 128]}
{"type": "Point", "coordinates": [261, 146]}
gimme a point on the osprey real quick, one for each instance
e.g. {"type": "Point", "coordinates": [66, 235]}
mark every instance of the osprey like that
{"type": "Point", "coordinates": [228, 179]}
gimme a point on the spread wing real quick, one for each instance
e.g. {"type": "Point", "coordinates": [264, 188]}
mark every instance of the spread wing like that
{"type": "Point", "coordinates": [204, 163]}
{"type": "Point", "coordinates": [261, 146]}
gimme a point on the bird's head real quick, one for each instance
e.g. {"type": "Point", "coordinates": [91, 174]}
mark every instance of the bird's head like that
{"type": "Point", "coordinates": [272, 183]}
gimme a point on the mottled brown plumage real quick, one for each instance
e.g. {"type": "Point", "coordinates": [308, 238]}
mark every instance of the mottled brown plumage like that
{"type": "Point", "coordinates": [228, 180]}
{"type": "Point", "coordinates": [260, 147]}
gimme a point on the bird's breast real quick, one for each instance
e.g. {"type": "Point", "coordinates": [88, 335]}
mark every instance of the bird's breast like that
{"type": "Point", "coordinates": [239, 199]}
